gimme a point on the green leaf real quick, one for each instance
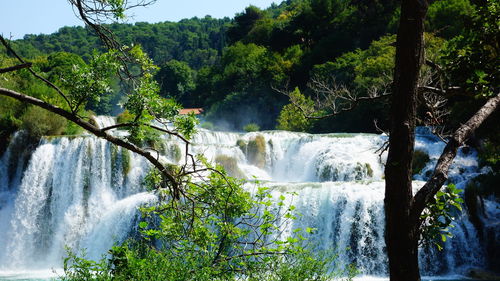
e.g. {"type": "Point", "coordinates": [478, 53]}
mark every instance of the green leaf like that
{"type": "Point", "coordinates": [310, 230]}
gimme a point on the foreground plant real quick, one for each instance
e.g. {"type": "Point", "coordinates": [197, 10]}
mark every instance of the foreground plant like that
{"type": "Point", "coordinates": [219, 231]}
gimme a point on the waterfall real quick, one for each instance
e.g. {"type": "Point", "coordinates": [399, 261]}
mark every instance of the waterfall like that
{"type": "Point", "coordinates": [74, 192]}
{"type": "Point", "coordinates": [83, 192]}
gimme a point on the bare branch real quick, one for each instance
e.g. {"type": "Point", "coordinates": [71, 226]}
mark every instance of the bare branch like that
{"type": "Point", "coordinates": [50, 84]}
{"type": "Point", "coordinates": [15, 67]}
{"type": "Point", "coordinates": [173, 184]}
{"type": "Point", "coordinates": [440, 175]}
{"type": "Point", "coordinates": [332, 98]}
{"type": "Point", "coordinates": [95, 13]}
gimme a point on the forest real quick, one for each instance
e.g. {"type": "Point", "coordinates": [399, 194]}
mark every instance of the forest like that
{"type": "Point", "coordinates": [222, 64]}
{"type": "Point", "coordinates": [315, 67]}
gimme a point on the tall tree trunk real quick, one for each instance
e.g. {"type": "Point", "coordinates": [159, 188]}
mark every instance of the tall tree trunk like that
{"type": "Point", "coordinates": [401, 233]}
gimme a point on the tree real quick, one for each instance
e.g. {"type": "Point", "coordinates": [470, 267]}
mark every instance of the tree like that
{"type": "Point", "coordinates": [90, 83]}
{"type": "Point", "coordinates": [204, 225]}
{"type": "Point", "coordinates": [448, 17]}
{"type": "Point", "coordinates": [401, 234]}
{"type": "Point", "coordinates": [176, 80]}
{"type": "Point", "coordinates": [290, 117]}
{"type": "Point", "coordinates": [403, 209]}
{"type": "Point", "coordinates": [243, 23]}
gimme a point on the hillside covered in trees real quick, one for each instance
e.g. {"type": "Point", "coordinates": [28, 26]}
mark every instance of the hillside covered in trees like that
{"type": "Point", "coordinates": [238, 69]}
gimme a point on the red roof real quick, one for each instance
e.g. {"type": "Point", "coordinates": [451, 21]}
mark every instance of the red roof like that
{"type": "Point", "coordinates": [196, 111]}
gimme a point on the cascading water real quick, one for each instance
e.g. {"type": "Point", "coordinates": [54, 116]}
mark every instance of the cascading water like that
{"type": "Point", "coordinates": [80, 193]}
{"type": "Point", "coordinates": [83, 192]}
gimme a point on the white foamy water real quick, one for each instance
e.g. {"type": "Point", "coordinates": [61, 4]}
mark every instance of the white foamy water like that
{"type": "Point", "coordinates": [83, 193]}
{"type": "Point", "coordinates": [70, 190]}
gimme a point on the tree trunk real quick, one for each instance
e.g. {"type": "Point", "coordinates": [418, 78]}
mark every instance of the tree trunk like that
{"type": "Point", "coordinates": [401, 234]}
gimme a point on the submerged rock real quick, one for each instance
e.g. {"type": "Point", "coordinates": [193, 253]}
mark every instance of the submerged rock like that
{"type": "Point", "coordinates": [481, 274]}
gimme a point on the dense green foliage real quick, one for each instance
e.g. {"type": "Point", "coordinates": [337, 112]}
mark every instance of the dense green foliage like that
{"type": "Point", "coordinates": [472, 57]}
{"type": "Point", "coordinates": [15, 115]}
{"type": "Point", "coordinates": [226, 234]}
{"type": "Point", "coordinates": [176, 80]}
{"type": "Point", "coordinates": [437, 218]}
{"type": "Point", "coordinates": [251, 127]}
{"type": "Point", "coordinates": [196, 41]}
{"type": "Point", "coordinates": [291, 117]}
{"type": "Point", "coordinates": [231, 67]}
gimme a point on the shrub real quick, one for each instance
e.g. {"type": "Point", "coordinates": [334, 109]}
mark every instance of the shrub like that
{"type": "Point", "coordinates": [291, 118]}
{"type": "Point", "coordinates": [126, 165]}
{"type": "Point", "coordinates": [72, 129]}
{"type": "Point", "coordinates": [40, 122]}
{"type": "Point", "coordinates": [145, 137]}
{"type": "Point", "coordinates": [306, 265]}
{"type": "Point", "coordinates": [208, 125]}
{"type": "Point", "coordinates": [242, 145]}
{"type": "Point", "coordinates": [251, 127]}
{"type": "Point", "coordinates": [207, 239]}
{"type": "Point", "coordinates": [125, 117]}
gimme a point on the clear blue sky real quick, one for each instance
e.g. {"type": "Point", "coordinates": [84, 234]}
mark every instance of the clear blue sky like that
{"type": "Point", "coordinates": [20, 17]}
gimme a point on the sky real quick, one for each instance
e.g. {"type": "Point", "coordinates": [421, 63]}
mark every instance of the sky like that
{"type": "Point", "coordinates": [20, 17]}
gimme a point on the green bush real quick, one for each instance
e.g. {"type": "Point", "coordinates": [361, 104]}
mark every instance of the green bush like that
{"type": "Point", "coordinates": [125, 117]}
{"type": "Point", "coordinates": [39, 122]}
{"type": "Point", "coordinates": [291, 118]}
{"type": "Point", "coordinates": [125, 157]}
{"type": "Point", "coordinates": [242, 145]}
{"type": "Point", "coordinates": [306, 265]}
{"type": "Point", "coordinates": [72, 129]}
{"type": "Point", "coordinates": [207, 239]}
{"type": "Point", "coordinates": [208, 125]}
{"type": "Point", "coordinates": [251, 127]}
{"type": "Point", "coordinates": [144, 262]}
{"type": "Point", "coordinates": [9, 122]}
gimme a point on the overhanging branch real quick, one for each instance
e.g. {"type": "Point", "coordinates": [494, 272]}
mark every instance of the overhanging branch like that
{"type": "Point", "coordinates": [440, 175]}
{"type": "Point", "coordinates": [173, 184]}
{"type": "Point", "coordinates": [15, 67]}
{"type": "Point", "coordinates": [50, 84]}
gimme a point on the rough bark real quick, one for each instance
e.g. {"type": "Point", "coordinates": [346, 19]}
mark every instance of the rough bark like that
{"type": "Point", "coordinates": [401, 239]}
{"type": "Point", "coordinates": [402, 209]}
{"type": "Point", "coordinates": [172, 183]}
